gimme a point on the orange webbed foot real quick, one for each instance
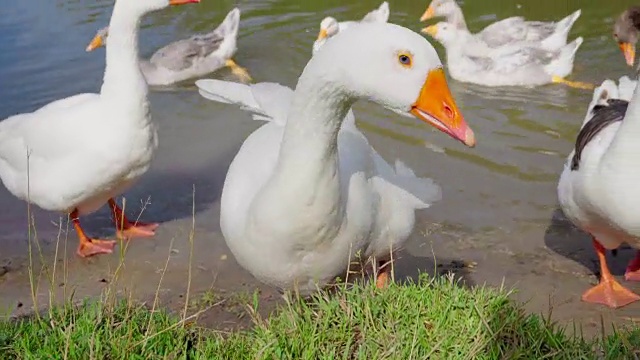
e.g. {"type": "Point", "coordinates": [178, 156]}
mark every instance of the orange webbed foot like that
{"type": "Point", "coordinates": [87, 246]}
{"type": "Point", "coordinates": [608, 292]}
{"type": "Point", "coordinates": [611, 294]}
{"type": "Point", "coordinates": [92, 247]}
{"type": "Point", "coordinates": [139, 230]}
{"type": "Point", "coordinates": [127, 229]}
{"type": "Point", "coordinates": [632, 275]}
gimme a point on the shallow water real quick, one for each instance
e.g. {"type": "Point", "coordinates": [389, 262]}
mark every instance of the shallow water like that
{"type": "Point", "coordinates": [500, 196]}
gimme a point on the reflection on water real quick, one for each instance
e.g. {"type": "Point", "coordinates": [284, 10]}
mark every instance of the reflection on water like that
{"type": "Point", "coordinates": [523, 134]}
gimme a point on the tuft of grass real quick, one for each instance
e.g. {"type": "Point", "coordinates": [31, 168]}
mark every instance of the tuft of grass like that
{"type": "Point", "coordinates": [427, 319]}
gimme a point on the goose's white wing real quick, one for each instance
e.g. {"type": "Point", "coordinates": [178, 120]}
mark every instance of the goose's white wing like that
{"type": "Point", "coordinates": [266, 101]}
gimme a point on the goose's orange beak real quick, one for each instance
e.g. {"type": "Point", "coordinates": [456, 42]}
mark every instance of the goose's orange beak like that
{"type": "Point", "coordinates": [436, 106]}
{"type": "Point", "coordinates": [182, 2]}
{"type": "Point", "coordinates": [322, 34]}
{"type": "Point", "coordinates": [431, 30]}
{"type": "Point", "coordinates": [629, 52]}
{"type": "Point", "coordinates": [95, 43]}
{"type": "Point", "coordinates": [428, 14]}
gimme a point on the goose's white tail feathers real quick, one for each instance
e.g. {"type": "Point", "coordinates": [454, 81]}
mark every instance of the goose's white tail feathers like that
{"type": "Point", "coordinates": [381, 14]}
{"type": "Point", "coordinates": [229, 26]}
{"type": "Point", "coordinates": [561, 33]}
{"type": "Point", "coordinates": [566, 24]}
{"type": "Point", "coordinates": [563, 64]}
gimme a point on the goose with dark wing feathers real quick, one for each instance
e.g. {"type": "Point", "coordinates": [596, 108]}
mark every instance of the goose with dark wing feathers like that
{"type": "Point", "coordinates": [598, 189]}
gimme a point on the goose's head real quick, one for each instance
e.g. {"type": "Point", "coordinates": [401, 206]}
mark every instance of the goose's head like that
{"type": "Point", "coordinates": [444, 32]}
{"type": "Point", "coordinates": [439, 8]}
{"type": "Point", "coordinates": [395, 67]}
{"type": "Point", "coordinates": [137, 7]}
{"type": "Point", "coordinates": [625, 32]}
{"type": "Point", "coordinates": [99, 40]}
{"type": "Point", "coordinates": [328, 28]}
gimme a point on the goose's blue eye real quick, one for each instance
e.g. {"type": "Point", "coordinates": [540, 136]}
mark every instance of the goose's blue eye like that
{"type": "Point", "coordinates": [405, 59]}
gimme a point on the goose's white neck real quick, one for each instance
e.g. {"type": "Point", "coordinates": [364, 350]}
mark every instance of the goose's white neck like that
{"type": "Point", "coordinates": [318, 109]}
{"type": "Point", "coordinates": [122, 77]}
{"type": "Point", "coordinates": [623, 150]}
{"type": "Point", "coordinates": [306, 180]}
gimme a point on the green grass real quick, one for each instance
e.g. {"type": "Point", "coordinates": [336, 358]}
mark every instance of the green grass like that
{"type": "Point", "coordinates": [430, 319]}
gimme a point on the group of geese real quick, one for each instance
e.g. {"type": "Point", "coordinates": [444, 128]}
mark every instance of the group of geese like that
{"type": "Point", "coordinates": [509, 52]}
{"type": "Point", "coordinates": [306, 193]}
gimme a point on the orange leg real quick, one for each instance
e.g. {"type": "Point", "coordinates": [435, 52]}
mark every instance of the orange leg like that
{"type": "Point", "coordinates": [608, 292]}
{"type": "Point", "coordinates": [384, 274]}
{"type": "Point", "coordinates": [127, 229]}
{"type": "Point", "coordinates": [633, 269]}
{"type": "Point", "coordinates": [88, 246]}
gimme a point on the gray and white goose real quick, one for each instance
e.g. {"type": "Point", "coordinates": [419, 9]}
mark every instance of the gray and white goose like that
{"type": "Point", "coordinates": [194, 57]}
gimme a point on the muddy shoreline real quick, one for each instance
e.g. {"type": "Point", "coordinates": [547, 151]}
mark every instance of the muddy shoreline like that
{"type": "Point", "coordinates": [547, 278]}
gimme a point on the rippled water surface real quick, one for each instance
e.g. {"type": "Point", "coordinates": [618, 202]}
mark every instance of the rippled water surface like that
{"type": "Point", "coordinates": [508, 180]}
{"type": "Point", "coordinates": [523, 134]}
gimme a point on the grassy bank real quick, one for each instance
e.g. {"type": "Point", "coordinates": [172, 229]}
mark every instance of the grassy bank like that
{"type": "Point", "coordinates": [430, 319]}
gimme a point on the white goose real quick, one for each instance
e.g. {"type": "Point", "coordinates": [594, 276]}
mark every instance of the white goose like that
{"type": "Point", "coordinates": [305, 194]}
{"type": "Point", "coordinates": [597, 187]}
{"type": "Point", "coordinates": [549, 36]}
{"type": "Point", "coordinates": [88, 148]}
{"type": "Point", "coordinates": [512, 66]}
{"type": "Point", "coordinates": [196, 56]}
{"type": "Point", "coordinates": [329, 26]}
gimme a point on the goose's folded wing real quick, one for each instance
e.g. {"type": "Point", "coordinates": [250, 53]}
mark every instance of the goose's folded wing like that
{"type": "Point", "coordinates": [181, 55]}
{"type": "Point", "coordinates": [504, 31]}
{"type": "Point", "coordinates": [504, 25]}
{"type": "Point", "coordinates": [40, 136]}
{"type": "Point", "coordinates": [512, 61]}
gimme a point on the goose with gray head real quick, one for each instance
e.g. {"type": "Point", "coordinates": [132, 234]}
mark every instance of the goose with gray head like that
{"type": "Point", "coordinates": [196, 56]}
{"type": "Point", "coordinates": [597, 190]}
{"type": "Point", "coordinates": [625, 32]}
{"type": "Point", "coordinates": [86, 149]}
{"type": "Point", "coordinates": [305, 195]}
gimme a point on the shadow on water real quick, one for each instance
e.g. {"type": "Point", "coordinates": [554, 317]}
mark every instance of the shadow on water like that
{"type": "Point", "coordinates": [572, 243]}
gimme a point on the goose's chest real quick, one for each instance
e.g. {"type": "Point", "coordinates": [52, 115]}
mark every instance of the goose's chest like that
{"type": "Point", "coordinates": [137, 150]}
{"type": "Point", "coordinates": [607, 204]}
